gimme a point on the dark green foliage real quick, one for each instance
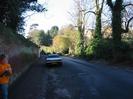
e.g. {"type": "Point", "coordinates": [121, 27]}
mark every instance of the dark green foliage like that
{"type": "Point", "coordinates": [79, 51]}
{"type": "Point", "coordinates": [99, 48]}
{"type": "Point", "coordinates": [39, 37]}
{"type": "Point", "coordinates": [11, 12]}
{"type": "Point", "coordinates": [121, 52]}
{"type": "Point", "coordinates": [80, 43]}
{"type": "Point", "coordinates": [10, 37]}
{"type": "Point", "coordinates": [66, 51]}
{"type": "Point", "coordinates": [47, 39]}
{"type": "Point", "coordinates": [106, 49]}
{"type": "Point", "coordinates": [98, 13]}
{"type": "Point", "coordinates": [98, 34]}
{"type": "Point", "coordinates": [53, 31]}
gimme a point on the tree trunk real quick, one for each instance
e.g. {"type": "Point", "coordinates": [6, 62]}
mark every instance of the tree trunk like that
{"type": "Point", "coordinates": [99, 8]}
{"type": "Point", "coordinates": [116, 26]}
{"type": "Point", "coordinates": [81, 40]}
{"type": "Point", "coordinates": [98, 33]}
{"type": "Point", "coordinates": [116, 9]}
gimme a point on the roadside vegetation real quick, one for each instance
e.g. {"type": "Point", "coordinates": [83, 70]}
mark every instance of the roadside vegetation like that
{"type": "Point", "coordinates": [109, 38]}
{"type": "Point", "coordinates": [101, 29]}
{"type": "Point", "coordinates": [20, 50]}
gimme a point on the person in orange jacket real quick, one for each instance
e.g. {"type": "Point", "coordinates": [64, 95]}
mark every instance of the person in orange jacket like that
{"type": "Point", "coordinates": [5, 73]}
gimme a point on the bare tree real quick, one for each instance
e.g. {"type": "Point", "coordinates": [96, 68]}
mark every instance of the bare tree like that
{"type": "Point", "coordinates": [98, 12]}
{"type": "Point", "coordinates": [80, 19]}
{"type": "Point", "coordinates": [83, 9]}
{"type": "Point", "coordinates": [118, 7]}
{"type": "Point", "coordinates": [127, 16]}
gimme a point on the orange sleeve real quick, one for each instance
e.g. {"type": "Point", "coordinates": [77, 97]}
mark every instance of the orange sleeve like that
{"type": "Point", "coordinates": [2, 70]}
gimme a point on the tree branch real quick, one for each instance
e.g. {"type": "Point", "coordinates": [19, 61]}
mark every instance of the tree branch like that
{"type": "Point", "coordinates": [97, 5]}
{"type": "Point", "coordinates": [127, 26]}
{"type": "Point", "coordinates": [130, 4]}
{"type": "Point", "coordinates": [109, 2]}
{"type": "Point", "coordinates": [90, 12]}
{"type": "Point", "coordinates": [31, 14]}
{"type": "Point", "coordinates": [102, 6]}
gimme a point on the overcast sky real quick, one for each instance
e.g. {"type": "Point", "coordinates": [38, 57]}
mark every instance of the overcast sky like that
{"type": "Point", "coordinates": [57, 14]}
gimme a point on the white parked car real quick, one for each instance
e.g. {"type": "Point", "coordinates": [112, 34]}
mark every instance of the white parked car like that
{"type": "Point", "coordinates": [54, 59]}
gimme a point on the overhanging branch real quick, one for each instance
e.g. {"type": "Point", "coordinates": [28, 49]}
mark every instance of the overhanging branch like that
{"type": "Point", "coordinates": [127, 26]}
{"type": "Point", "coordinates": [90, 12]}
{"type": "Point", "coordinates": [109, 2]}
{"type": "Point", "coordinates": [130, 4]}
{"type": "Point", "coordinates": [102, 6]}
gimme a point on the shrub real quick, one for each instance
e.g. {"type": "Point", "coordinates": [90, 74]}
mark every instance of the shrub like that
{"type": "Point", "coordinates": [99, 49]}
{"type": "Point", "coordinates": [105, 49]}
{"type": "Point", "coordinates": [121, 52]}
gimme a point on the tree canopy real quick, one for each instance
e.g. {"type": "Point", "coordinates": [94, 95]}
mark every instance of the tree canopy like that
{"type": "Point", "coordinates": [53, 31]}
{"type": "Point", "coordinates": [11, 12]}
{"type": "Point", "coordinates": [39, 37]}
{"type": "Point", "coordinates": [61, 44]}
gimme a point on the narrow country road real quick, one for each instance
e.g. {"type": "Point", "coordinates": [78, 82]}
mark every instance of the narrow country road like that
{"type": "Point", "coordinates": [76, 79]}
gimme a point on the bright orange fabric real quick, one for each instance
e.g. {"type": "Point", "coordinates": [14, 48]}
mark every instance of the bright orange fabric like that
{"type": "Point", "coordinates": [4, 79]}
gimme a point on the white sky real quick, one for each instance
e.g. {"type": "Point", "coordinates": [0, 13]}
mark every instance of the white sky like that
{"type": "Point", "coordinates": [57, 14]}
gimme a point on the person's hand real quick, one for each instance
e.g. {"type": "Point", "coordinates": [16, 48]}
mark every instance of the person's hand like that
{"type": "Point", "coordinates": [7, 69]}
{"type": "Point", "coordinates": [6, 73]}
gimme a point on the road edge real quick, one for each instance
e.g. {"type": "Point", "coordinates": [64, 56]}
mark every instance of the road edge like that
{"type": "Point", "coordinates": [18, 76]}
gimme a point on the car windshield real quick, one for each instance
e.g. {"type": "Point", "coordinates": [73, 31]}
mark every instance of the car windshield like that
{"type": "Point", "coordinates": [53, 56]}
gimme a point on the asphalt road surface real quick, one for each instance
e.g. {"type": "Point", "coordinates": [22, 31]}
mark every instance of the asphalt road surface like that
{"type": "Point", "coordinates": [76, 79]}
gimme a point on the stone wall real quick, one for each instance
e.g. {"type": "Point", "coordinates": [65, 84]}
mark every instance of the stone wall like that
{"type": "Point", "coordinates": [21, 52]}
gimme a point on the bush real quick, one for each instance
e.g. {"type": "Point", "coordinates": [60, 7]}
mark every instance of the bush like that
{"type": "Point", "coordinates": [105, 49]}
{"type": "Point", "coordinates": [121, 52]}
{"type": "Point", "coordinates": [99, 49]}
